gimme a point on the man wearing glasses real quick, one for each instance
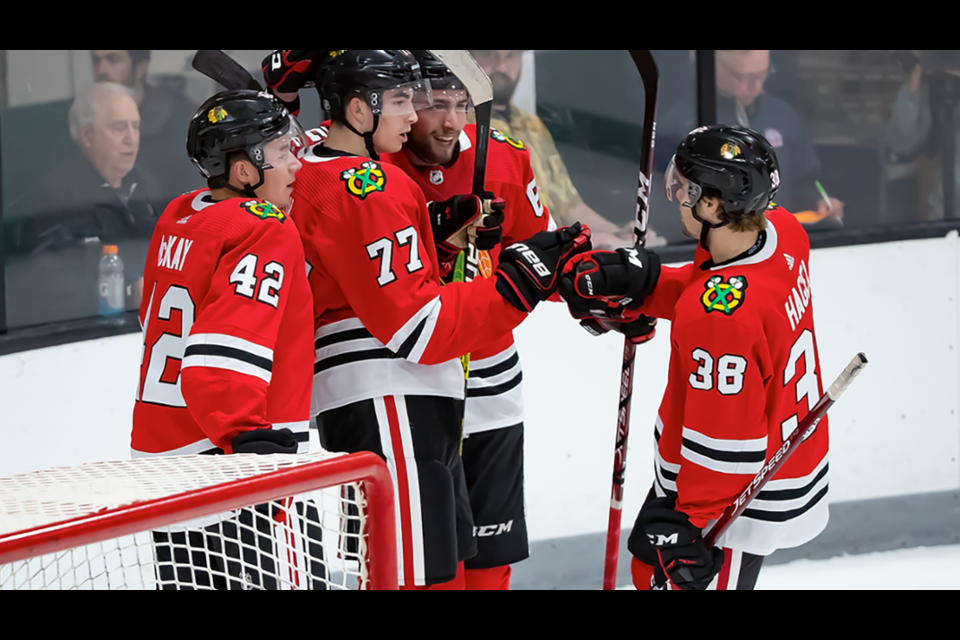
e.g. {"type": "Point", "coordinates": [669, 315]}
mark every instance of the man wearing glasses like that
{"type": "Point", "coordinates": [741, 100]}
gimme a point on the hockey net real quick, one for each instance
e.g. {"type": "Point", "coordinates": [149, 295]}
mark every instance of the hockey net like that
{"type": "Point", "coordinates": [319, 521]}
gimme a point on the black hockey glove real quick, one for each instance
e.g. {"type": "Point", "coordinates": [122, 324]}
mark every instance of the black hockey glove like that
{"type": "Point", "coordinates": [639, 331]}
{"type": "Point", "coordinates": [529, 272]}
{"type": "Point", "coordinates": [264, 442]}
{"type": "Point", "coordinates": [451, 217]}
{"type": "Point", "coordinates": [684, 556]}
{"type": "Point", "coordinates": [609, 285]}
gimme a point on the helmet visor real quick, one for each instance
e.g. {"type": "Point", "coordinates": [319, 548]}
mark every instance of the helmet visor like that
{"type": "Point", "coordinates": [401, 100]}
{"type": "Point", "coordinates": [678, 189]}
{"type": "Point", "coordinates": [294, 140]}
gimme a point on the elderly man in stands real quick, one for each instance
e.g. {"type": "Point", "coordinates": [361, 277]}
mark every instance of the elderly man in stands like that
{"type": "Point", "coordinates": [99, 191]}
{"type": "Point", "coordinates": [164, 111]}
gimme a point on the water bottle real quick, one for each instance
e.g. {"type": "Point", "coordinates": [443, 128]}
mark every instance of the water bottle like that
{"type": "Point", "coordinates": [111, 282]}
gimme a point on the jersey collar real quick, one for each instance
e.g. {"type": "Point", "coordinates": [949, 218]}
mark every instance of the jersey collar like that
{"type": "Point", "coordinates": [320, 153]}
{"type": "Point", "coordinates": [765, 248]}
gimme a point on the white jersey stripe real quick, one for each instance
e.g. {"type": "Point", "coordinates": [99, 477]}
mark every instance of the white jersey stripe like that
{"type": "Point", "coordinates": [730, 468]}
{"type": "Point", "coordinates": [339, 327]}
{"type": "Point", "coordinates": [413, 486]}
{"type": "Point", "coordinates": [386, 442]}
{"type": "Point", "coordinates": [736, 446]}
{"type": "Point", "coordinates": [431, 313]}
{"type": "Point", "coordinates": [226, 364]}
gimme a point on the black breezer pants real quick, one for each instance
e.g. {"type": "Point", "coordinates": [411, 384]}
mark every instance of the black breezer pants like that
{"type": "Point", "coordinates": [493, 461]}
{"type": "Point", "coordinates": [419, 438]}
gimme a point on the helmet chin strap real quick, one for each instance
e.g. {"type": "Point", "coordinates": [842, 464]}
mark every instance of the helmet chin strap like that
{"type": "Point", "coordinates": [367, 137]}
{"type": "Point", "coordinates": [706, 227]}
{"type": "Point", "coordinates": [250, 191]}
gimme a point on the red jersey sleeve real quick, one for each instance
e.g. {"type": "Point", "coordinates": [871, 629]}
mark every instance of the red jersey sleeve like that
{"type": "Point", "coordinates": [228, 361]}
{"type": "Point", "coordinates": [724, 423]}
{"type": "Point", "coordinates": [526, 213]}
{"type": "Point", "coordinates": [375, 250]}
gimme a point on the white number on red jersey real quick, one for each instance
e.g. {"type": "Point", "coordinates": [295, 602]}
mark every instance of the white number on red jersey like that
{"type": "Point", "coordinates": [169, 346]}
{"type": "Point", "coordinates": [533, 194]}
{"type": "Point", "coordinates": [245, 279]}
{"type": "Point", "coordinates": [383, 249]}
{"type": "Point", "coordinates": [807, 385]}
{"type": "Point", "coordinates": [730, 371]}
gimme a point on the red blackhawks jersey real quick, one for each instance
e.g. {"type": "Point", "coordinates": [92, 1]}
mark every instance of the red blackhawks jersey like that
{"type": "Point", "coordinates": [494, 389]}
{"type": "Point", "coordinates": [744, 370]}
{"type": "Point", "coordinates": [384, 325]}
{"type": "Point", "coordinates": [227, 326]}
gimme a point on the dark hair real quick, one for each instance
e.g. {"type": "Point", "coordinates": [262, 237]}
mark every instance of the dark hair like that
{"type": "Point", "coordinates": [139, 55]}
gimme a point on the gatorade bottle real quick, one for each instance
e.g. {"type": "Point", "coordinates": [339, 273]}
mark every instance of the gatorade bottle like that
{"type": "Point", "coordinates": [111, 282]}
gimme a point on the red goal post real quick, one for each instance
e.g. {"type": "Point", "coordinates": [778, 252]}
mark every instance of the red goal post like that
{"type": "Point", "coordinates": [49, 520]}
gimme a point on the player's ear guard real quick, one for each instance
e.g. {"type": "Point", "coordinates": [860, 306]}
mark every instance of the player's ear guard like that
{"type": "Point", "coordinates": [529, 271]}
{"type": "Point", "coordinates": [264, 442]}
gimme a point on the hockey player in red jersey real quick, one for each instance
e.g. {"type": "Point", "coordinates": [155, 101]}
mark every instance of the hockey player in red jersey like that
{"type": "Point", "coordinates": [743, 371]}
{"type": "Point", "coordinates": [226, 315]}
{"type": "Point", "coordinates": [387, 374]}
{"type": "Point", "coordinates": [440, 156]}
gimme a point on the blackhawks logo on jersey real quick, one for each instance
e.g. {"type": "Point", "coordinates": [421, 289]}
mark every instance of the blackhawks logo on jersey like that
{"type": "Point", "coordinates": [264, 210]}
{"type": "Point", "coordinates": [501, 137]}
{"type": "Point", "coordinates": [366, 179]}
{"type": "Point", "coordinates": [725, 297]}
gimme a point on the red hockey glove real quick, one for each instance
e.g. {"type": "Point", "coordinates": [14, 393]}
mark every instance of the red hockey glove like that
{"type": "Point", "coordinates": [529, 272]}
{"type": "Point", "coordinates": [610, 284]}
{"type": "Point", "coordinates": [287, 71]}
{"type": "Point", "coordinates": [266, 442]}
{"type": "Point", "coordinates": [451, 218]}
{"type": "Point", "coordinates": [684, 556]}
{"type": "Point", "coordinates": [639, 331]}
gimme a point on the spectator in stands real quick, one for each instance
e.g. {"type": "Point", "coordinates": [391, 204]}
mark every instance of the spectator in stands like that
{"type": "Point", "coordinates": [165, 114]}
{"type": "Point", "coordinates": [504, 66]}
{"type": "Point", "coordinates": [910, 132]}
{"type": "Point", "coordinates": [741, 76]}
{"type": "Point", "coordinates": [99, 191]}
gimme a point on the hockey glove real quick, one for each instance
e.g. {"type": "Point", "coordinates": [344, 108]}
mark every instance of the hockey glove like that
{"type": "Point", "coordinates": [610, 285]}
{"type": "Point", "coordinates": [684, 556]}
{"type": "Point", "coordinates": [286, 71]}
{"type": "Point", "coordinates": [451, 219]}
{"type": "Point", "coordinates": [529, 272]}
{"type": "Point", "coordinates": [264, 442]}
{"type": "Point", "coordinates": [639, 331]}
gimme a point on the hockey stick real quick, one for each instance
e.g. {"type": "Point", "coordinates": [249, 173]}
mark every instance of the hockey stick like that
{"type": "Point", "coordinates": [792, 443]}
{"type": "Point", "coordinates": [220, 67]}
{"type": "Point", "coordinates": [480, 87]}
{"type": "Point", "coordinates": [471, 74]}
{"type": "Point", "coordinates": [650, 75]}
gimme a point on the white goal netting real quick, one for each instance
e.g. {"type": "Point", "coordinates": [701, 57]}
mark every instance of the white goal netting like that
{"type": "Point", "coordinates": [197, 522]}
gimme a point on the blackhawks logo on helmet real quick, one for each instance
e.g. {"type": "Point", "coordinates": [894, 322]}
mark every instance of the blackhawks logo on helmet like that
{"type": "Point", "coordinates": [502, 137]}
{"type": "Point", "coordinates": [217, 114]}
{"type": "Point", "coordinates": [725, 297]}
{"type": "Point", "coordinates": [264, 210]}
{"type": "Point", "coordinates": [366, 179]}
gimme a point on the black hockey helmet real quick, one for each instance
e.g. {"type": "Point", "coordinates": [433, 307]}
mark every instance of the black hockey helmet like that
{"type": "Point", "coordinates": [238, 121]}
{"type": "Point", "coordinates": [370, 73]}
{"type": "Point", "coordinates": [439, 74]}
{"type": "Point", "coordinates": [737, 162]}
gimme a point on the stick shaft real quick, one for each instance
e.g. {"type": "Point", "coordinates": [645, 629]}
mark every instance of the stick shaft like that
{"type": "Point", "coordinates": [650, 75]}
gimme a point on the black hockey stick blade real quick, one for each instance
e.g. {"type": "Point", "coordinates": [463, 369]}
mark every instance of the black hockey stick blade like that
{"type": "Point", "coordinates": [650, 75]}
{"type": "Point", "coordinates": [220, 67]}
{"type": "Point", "coordinates": [481, 91]}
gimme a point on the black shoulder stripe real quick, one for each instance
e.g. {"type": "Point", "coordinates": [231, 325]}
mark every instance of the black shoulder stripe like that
{"type": "Point", "coordinates": [407, 347]}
